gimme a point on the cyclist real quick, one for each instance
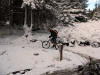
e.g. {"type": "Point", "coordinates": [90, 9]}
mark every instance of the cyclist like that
{"type": "Point", "coordinates": [53, 36]}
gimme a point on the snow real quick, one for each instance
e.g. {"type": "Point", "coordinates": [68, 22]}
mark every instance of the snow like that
{"type": "Point", "coordinates": [17, 58]}
{"type": "Point", "coordinates": [19, 54]}
{"type": "Point", "coordinates": [83, 31]}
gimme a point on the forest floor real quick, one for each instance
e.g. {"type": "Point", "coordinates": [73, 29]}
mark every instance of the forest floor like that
{"type": "Point", "coordinates": [18, 56]}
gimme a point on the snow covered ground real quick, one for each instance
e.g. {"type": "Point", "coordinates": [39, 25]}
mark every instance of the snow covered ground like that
{"type": "Point", "coordinates": [82, 31]}
{"type": "Point", "coordinates": [19, 54]}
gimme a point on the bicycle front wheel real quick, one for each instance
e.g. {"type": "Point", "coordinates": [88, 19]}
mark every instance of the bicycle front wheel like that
{"type": "Point", "coordinates": [46, 44]}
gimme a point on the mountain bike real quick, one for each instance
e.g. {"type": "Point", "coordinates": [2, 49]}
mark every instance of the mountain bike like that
{"type": "Point", "coordinates": [48, 43]}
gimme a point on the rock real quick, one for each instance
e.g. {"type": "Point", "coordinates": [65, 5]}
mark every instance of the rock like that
{"type": "Point", "coordinates": [80, 68]}
{"type": "Point", "coordinates": [28, 70]}
{"type": "Point", "coordinates": [36, 54]}
{"type": "Point", "coordinates": [23, 47]}
{"type": "Point", "coordinates": [81, 18]}
{"type": "Point", "coordinates": [22, 72]}
{"type": "Point", "coordinates": [15, 72]}
{"type": "Point", "coordinates": [33, 40]}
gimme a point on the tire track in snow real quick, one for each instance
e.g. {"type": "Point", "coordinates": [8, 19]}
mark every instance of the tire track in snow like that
{"type": "Point", "coordinates": [82, 55]}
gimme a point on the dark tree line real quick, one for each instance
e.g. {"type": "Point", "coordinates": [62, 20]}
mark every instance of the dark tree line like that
{"type": "Point", "coordinates": [4, 10]}
{"type": "Point", "coordinates": [9, 10]}
{"type": "Point", "coordinates": [6, 7]}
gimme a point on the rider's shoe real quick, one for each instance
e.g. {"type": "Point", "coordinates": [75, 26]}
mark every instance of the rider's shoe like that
{"type": "Point", "coordinates": [54, 46]}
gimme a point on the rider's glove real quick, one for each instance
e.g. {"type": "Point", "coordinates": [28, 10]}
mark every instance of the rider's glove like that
{"type": "Point", "coordinates": [49, 36]}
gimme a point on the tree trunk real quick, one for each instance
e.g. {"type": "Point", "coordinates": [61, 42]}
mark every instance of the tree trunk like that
{"type": "Point", "coordinates": [31, 20]}
{"type": "Point", "coordinates": [10, 18]}
{"type": "Point", "coordinates": [25, 27]}
{"type": "Point", "coordinates": [25, 19]}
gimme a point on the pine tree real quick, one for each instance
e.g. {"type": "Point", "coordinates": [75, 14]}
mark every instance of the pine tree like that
{"type": "Point", "coordinates": [96, 12]}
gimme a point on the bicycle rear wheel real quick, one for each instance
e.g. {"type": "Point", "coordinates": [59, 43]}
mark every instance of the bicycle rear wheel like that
{"type": "Point", "coordinates": [46, 44]}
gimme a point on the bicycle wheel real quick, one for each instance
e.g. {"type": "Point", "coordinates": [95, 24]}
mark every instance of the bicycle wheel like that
{"type": "Point", "coordinates": [46, 44]}
{"type": "Point", "coordinates": [95, 44]}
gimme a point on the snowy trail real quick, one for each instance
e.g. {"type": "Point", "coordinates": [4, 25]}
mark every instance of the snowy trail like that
{"type": "Point", "coordinates": [85, 51]}
{"type": "Point", "coordinates": [18, 58]}
{"type": "Point", "coordinates": [19, 55]}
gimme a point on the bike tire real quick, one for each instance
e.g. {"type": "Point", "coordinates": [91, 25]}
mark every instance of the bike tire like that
{"type": "Point", "coordinates": [95, 44]}
{"type": "Point", "coordinates": [46, 44]}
